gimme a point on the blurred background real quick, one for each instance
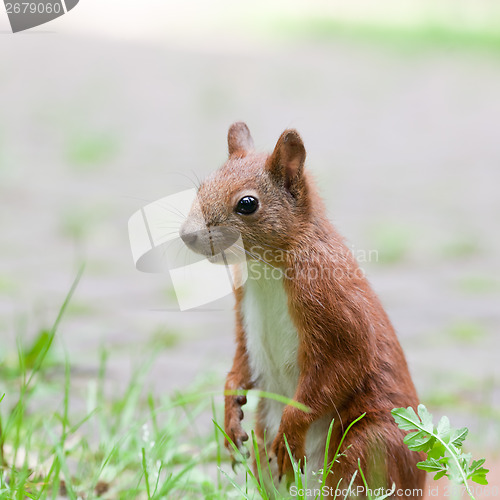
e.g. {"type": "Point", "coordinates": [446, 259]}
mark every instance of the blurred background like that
{"type": "Point", "coordinates": [119, 103]}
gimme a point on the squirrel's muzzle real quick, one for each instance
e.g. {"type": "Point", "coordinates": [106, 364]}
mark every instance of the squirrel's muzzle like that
{"type": "Point", "coordinates": [212, 241]}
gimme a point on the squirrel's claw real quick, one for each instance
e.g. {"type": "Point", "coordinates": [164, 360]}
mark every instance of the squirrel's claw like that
{"type": "Point", "coordinates": [240, 440]}
{"type": "Point", "coordinates": [234, 464]}
{"type": "Point", "coordinates": [244, 451]}
{"type": "Point", "coordinates": [245, 454]}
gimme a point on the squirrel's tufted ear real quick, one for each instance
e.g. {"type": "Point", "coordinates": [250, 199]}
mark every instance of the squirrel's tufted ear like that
{"type": "Point", "coordinates": [287, 161]}
{"type": "Point", "coordinates": [239, 140]}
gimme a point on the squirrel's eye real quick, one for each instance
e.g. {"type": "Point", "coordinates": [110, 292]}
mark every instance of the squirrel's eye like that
{"type": "Point", "coordinates": [247, 205]}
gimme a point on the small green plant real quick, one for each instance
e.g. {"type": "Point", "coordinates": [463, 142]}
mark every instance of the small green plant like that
{"type": "Point", "coordinates": [443, 446]}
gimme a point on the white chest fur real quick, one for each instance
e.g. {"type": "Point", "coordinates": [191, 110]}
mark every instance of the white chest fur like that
{"type": "Point", "coordinates": [272, 345]}
{"type": "Point", "coordinates": [272, 339]}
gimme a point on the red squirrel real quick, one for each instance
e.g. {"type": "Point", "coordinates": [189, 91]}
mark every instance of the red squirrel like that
{"type": "Point", "coordinates": [308, 324]}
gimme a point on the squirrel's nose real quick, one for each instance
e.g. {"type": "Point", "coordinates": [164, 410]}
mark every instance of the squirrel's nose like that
{"type": "Point", "coordinates": [189, 238]}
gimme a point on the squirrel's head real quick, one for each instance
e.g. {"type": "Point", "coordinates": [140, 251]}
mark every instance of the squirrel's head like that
{"type": "Point", "coordinates": [259, 197]}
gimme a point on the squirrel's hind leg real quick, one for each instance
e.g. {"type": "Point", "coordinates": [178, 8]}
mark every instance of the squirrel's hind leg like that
{"type": "Point", "coordinates": [384, 460]}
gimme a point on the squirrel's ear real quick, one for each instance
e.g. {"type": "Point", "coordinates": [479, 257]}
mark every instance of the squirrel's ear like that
{"type": "Point", "coordinates": [287, 161]}
{"type": "Point", "coordinates": [239, 140]}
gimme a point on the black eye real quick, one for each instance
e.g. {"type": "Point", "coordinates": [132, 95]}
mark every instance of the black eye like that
{"type": "Point", "coordinates": [247, 205]}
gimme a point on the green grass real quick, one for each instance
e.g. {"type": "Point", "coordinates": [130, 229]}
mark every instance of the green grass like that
{"type": "Point", "coordinates": [426, 35]}
{"type": "Point", "coordinates": [419, 26]}
{"type": "Point", "coordinates": [119, 444]}
{"type": "Point", "coordinates": [164, 338]}
{"type": "Point", "coordinates": [479, 284]}
{"type": "Point", "coordinates": [89, 151]}
{"type": "Point", "coordinates": [466, 331]}
{"type": "Point", "coordinates": [124, 444]}
{"type": "Point", "coordinates": [7, 285]}
{"type": "Point", "coordinates": [460, 248]}
{"type": "Point", "coordinates": [76, 223]}
{"type": "Point", "coordinates": [130, 445]}
{"type": "Point", "coordinates": [392, 241]}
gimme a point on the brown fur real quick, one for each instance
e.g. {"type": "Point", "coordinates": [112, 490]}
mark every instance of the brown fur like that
{"type": "Point", "coordinates": [349, 357]}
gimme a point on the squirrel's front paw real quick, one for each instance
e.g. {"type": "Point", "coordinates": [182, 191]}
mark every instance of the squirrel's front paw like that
{"type": "Point", "coordinates": [232, 423]}
{"type": "Point", "coordinates": [238, 436]}
{"type": "Point", "coordinates": [280, 451]}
